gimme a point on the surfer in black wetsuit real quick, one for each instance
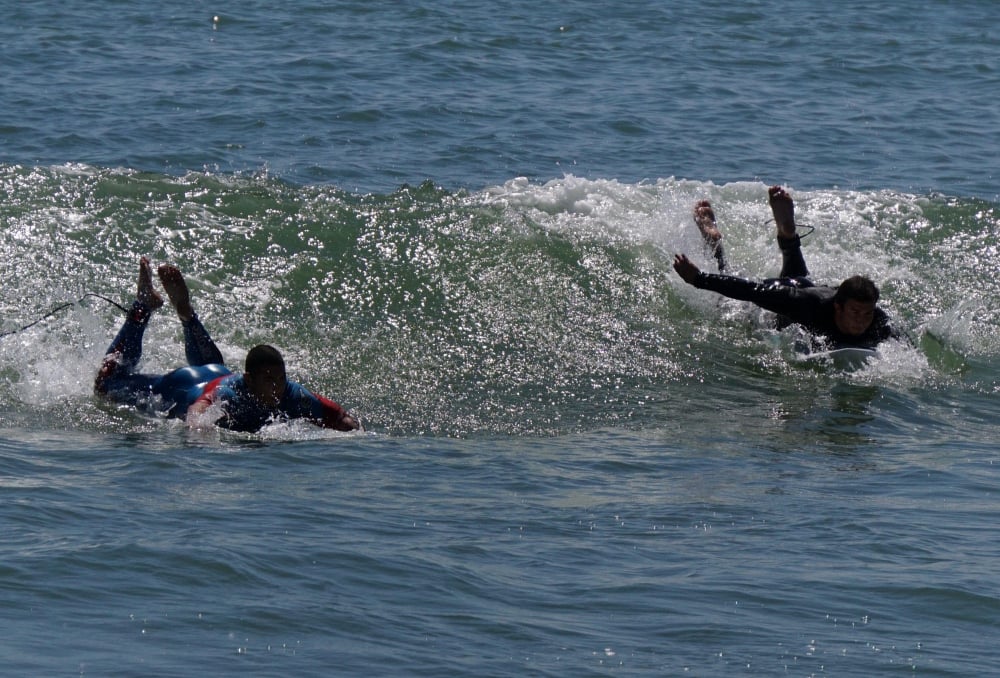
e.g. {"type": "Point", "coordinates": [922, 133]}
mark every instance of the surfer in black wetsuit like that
{"type": "Point", "coordinates": [843, 316]}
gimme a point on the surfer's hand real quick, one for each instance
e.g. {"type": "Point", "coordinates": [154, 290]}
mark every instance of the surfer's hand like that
{"type": "Point", "coordinates": [685, 269]}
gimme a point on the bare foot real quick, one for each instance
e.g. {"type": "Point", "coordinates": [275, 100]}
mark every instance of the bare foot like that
{"type": "Point", "coordinates": [783, 210]}
{"type": "Point", "coordinates": [177, 290]}
{"type": "Point", "coordinates": [704, 218]}
{"type": "Point", "coordinates": [145, 292]}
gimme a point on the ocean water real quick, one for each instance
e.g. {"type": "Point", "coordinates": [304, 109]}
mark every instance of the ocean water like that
{"type": "Point", "coordinates": [458, 220]}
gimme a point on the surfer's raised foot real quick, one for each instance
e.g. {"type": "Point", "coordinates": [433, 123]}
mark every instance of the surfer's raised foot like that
{"type": "Point", "coordinates": [144, 288]}
{"type": "Point", "coordinates": [704, 218]}
{"type": "Point", "coordinates": [783, 210]}
{"type": "Point", "coordinates": [177, 290]}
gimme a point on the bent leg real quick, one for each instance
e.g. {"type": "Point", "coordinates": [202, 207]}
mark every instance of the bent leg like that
{"type": "Point", "coordinates": [122, 356]}
{"type": "Point", "coordinates": [793, 264]}
{"type": "Point", "coordinates": [127, 344]}
{"type": "Point", "coordinates": [116, 379]}
{"type": "Point", "coordinates": [198, 345]}
{"type": "Point", "coordinates": [135, 390]}
{"type": "Point", "coordinates": [704, 219]}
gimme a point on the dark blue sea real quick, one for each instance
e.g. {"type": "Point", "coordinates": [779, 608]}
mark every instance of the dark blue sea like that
{"type": "Point", "coordinates": [458, 220]}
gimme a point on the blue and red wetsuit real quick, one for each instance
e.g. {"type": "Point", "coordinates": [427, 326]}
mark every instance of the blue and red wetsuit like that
{"type": "Point", "coordinates": [244, 412]}
{"type": "Point", "coordinates": [205, 378]}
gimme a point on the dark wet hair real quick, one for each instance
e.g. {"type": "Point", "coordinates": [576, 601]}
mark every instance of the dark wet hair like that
{"type": "Point", "coordinates": [858, 288]}
{"type": "Point", "coordinates": [262, 356]}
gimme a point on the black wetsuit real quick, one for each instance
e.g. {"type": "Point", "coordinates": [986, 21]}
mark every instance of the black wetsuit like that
{"type": "Point", "coordinates": [796, 300]}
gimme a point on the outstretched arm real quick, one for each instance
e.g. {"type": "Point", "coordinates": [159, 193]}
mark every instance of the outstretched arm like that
{"type": "Point", "coordinates": [331, 415]}
{"type": "Point", "coordinates": [777, 298]}
{"type": "Point", "coordinates": [685, 269]}
{"type": "Point", "coordinates": [300, 402]}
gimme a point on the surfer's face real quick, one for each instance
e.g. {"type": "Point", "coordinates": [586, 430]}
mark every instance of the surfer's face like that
{"type": "Point", "coordinates": [853, 317]}
{"type": "Point", "coordinates": [267, 384]}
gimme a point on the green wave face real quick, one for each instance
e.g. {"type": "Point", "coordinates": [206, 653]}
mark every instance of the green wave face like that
{"type": "Point", "coordinates": [521, 309]}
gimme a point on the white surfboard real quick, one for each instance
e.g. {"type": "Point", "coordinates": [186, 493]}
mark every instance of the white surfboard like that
{"type": "Point", "coordinates": [849, 358]}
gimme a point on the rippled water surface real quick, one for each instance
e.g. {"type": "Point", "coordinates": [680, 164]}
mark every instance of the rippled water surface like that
{"type": "Point", "coordinates": [459, 222]}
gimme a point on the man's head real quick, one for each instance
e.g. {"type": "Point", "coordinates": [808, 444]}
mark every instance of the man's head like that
{"type": "Point", "coordinates": [854, 305]}
{"type": "Point", "coordinates": [264, 374]}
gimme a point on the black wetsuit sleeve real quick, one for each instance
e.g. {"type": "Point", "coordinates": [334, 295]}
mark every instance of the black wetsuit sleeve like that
{"type": "Point", "coordinates": [800, 305]}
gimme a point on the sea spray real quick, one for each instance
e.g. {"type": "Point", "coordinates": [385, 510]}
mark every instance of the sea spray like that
{"type": "Point", "coordinates": [521, 309]}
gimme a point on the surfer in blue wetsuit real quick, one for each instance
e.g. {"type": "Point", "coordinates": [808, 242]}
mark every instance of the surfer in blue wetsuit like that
{"type": "Point", "coordinates": [247, 402]}
{"type": "Point", "coordinates": [843, 316]}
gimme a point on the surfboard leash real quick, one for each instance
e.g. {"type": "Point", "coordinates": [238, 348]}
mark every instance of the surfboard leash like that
{"type": "Point", "coordinates": [797, 227]}
{"type": "Point", "coordinates": [63, 307]}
